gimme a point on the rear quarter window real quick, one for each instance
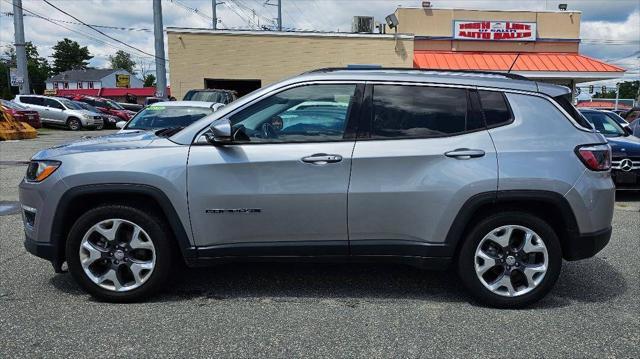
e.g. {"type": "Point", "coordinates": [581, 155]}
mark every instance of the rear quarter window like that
{"type": "Point", "coordinates": [495, 109]}
{"type": "Point", "coordinates": [565, 102]}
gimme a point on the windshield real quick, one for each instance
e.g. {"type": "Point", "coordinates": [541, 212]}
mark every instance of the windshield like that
{"type": "Point", "coordinates": [70, 104]}
{"type": "Point", "coordinates": [114, 104]}
{"type": "Point", "coordinates": [604, 124]}
{"type": "Point", "coordinates": [209, 96]}
{"type": "Point", "coordinates": [155, 117]}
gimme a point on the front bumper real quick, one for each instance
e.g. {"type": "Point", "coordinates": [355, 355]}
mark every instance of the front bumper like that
{"type": "Point", "coordinates": [585, 245]}
{"type": "Point", "coordinates": [626, 180]}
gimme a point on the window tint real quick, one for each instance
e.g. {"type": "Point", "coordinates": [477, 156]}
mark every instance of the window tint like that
{"type": "Point", "coordinates": [565, 102]}
{"type": "Point", "coordinates": [32, 100]}
{"type": "Point", "coordinates": [417, 111]}
{"type": "Point", "coordinates": [278, 118]}
{"type": "Point", "coordinates": [52, 103]}
{"type": "Point", "coordinates": [494, 107]}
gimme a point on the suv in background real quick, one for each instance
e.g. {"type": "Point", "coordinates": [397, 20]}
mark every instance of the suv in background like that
{"type": "Point", "coordinates": [60, 112]}
{"type": "Point", "coordinates": [211, 95]}
{"type": "Point", "coordinates": [495, 174]}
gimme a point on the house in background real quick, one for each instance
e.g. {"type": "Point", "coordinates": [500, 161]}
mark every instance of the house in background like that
{"type": "Point", "coordinates": [93, 79]}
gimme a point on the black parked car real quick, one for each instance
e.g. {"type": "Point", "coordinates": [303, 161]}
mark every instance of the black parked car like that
{"type": "Point", "coordinates": [625, 168]}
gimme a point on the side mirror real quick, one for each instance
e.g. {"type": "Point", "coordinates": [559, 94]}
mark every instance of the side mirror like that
{"type": "Point", "coordinates": [628, 130]}
{"type": "Point", "coordinates": [219, 132]}
{"type": "Point", "coordinates": [120, 124]}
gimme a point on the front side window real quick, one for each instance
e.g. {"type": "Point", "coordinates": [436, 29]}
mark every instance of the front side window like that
{"type": "Point", "coordinates": [289, 117]}
{"type": "Point", "coordinates": [420, 111]}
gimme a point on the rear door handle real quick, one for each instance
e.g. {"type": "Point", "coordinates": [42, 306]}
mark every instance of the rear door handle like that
{"type": "Point", "coordinates": [464, 153]}
{"type": "Point", "coordinates": [322, 159]}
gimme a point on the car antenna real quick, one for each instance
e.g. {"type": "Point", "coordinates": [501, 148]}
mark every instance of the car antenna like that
{"type": "Point", "coordinates": [514, 62]}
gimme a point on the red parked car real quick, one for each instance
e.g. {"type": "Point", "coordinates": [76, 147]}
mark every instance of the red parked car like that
{"type": "Point", "coordinates": [107, 106]}
{"type": "Point", "coordinates": [22, 113]}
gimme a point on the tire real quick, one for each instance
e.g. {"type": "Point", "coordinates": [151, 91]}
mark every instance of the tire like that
{"type": "Point", "coordinates": [74, 124]}
{"type": "Point", "coordinates": [99, 126]}
{"type": "Point", "coordinates": [484, 279]}
{"type": "Point", "coordinates": [111, 278]}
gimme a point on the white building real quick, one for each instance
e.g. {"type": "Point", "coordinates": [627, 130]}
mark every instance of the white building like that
{"type": "Point", "coordinates": [92, 79]}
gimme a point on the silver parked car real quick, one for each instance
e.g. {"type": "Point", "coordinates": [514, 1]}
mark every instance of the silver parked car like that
{"type": "Point", "coordinates": [60, 112]}
{"type": "Point", "coordinates": [491, 173]}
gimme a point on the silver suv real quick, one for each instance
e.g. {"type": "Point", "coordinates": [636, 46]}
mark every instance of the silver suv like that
{"type": "Point", "coordinates": [493, 174]}
{"type": "Point", "coordinates": [61, 112]}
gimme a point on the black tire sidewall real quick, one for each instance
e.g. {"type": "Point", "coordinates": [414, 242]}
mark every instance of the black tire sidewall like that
{"type": "Point", "coordinates": [157, 232]}
{"type": "Point", "coordinates": [69, 121]}
{"type": "Point", "coordinates": [466, 266]}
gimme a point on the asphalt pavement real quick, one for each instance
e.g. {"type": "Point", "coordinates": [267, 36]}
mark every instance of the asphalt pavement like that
{"type": "Point", "coordinates": [313, 310]}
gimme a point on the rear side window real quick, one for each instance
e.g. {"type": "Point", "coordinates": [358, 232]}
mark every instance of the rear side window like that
{"type": "Point", "coordinates": [32, 100]}
{"type": "Point", "coordinates": [494, 108]}
{"type": "Point", "coordinates": [565, 103]}
{"type": "Point", "coordinates": [420, 111]}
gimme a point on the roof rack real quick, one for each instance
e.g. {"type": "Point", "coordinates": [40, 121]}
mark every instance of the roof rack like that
{"type": "Point", "coordinates": [380, 68]}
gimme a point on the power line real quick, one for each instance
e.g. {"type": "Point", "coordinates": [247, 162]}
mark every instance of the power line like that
{"type": "Point", "coordinates": [70, 29]}
{"type": "Point", "coordinates": [196, 11]}
{"type": "Point", "coordinates": [77, 23]}
{"type": "Point", "coordinates": [103, 34]}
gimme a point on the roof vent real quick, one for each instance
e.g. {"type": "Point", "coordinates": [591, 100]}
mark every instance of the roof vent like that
{"type": "Point", "coordinates": [362, 24]}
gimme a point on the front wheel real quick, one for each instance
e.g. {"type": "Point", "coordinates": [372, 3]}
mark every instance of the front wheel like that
{"type": "Point", "coordinates": [74, 124]}
{"type": "Point", "coordinates": [119, 253]}
{"type": "Point", "coordinates": [510, 260]}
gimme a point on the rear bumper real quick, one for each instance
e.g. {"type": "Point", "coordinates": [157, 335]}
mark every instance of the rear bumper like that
{"type": "Point", "coordinates": [585, 245]}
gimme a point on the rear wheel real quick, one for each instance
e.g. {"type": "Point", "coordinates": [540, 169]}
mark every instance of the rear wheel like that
{"type": "Point", "coordinates": [100, 125]}
{"type": "Point", "coordinates": [510, 260]}
{"type": "Point", "coordinates": [119, 253]}
{"type": "Point", "coordinates": [74, 124]}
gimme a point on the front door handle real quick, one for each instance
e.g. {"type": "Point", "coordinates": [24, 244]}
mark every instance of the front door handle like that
{"type": "Point", "coordinates": [322, 159]}
{"type": "Point", "coordinates": [464, 153]}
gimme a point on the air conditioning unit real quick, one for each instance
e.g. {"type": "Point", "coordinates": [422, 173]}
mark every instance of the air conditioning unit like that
{"type": "Point", "coordinates": [362, 24]}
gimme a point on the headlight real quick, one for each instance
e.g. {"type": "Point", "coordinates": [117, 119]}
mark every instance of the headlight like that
{"type": "Point", "coordinates": [38, 171]}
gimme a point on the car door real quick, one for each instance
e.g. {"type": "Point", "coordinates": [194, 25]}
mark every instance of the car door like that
{"type": "Point", "coordinates": [422, 151]}
{"type": "Point", "coordinates": [55, 111]}
{"type": "Point", "coordinates": [281, 187]}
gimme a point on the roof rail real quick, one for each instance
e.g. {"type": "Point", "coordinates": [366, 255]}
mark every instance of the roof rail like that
{"type": "Point", "coordinates": [372, 68]}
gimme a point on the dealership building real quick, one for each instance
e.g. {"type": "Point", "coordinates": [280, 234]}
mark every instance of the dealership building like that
{"type": "Point", "coordinates": [542, 45]}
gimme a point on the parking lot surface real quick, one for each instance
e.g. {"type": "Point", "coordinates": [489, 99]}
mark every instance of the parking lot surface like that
{"type": "Point", "coordinates": [317, 310]}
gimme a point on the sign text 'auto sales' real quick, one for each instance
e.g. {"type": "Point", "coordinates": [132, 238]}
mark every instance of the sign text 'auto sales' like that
{"type": "Point", "coordinates": [494, 30]}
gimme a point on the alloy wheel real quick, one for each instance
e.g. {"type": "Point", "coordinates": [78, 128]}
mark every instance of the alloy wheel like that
{"type": "Point", "coordinates": [117, 255]}
{"type": "Point", "coordinates": [511, 260]}
{"type": "Point", "coordinates": [74, 124]}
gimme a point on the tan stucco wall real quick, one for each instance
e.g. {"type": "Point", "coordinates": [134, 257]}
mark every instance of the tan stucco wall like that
{"type": "Point", "coordinates": [439, 22]}
{"type": "Point", "coordinates": [224, 55]}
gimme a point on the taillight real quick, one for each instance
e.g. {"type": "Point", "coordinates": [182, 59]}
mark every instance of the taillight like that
{"type": "Point", "coordinates": [595, 157]}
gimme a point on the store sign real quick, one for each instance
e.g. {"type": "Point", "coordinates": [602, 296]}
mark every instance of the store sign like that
{"type": "Point", "coordinates": [15, 79]}
{"type": "Point", "coordinates": [122, 80]}
{"type": "Point", "coordinates": [494, 30]}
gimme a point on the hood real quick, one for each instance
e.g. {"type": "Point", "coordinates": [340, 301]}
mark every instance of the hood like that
{"type": "Point", "coordinates": [622, 146]}
{"type": "Point", "coordinates": [117, 141]}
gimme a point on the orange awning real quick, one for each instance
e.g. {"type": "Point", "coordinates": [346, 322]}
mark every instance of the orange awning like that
{"type": "Point", "coordinates": [501, 61]}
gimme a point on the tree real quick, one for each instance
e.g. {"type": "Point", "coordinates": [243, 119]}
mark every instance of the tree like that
{"type": "Point", "coordinates": [38, 67]}
{"type": "Point", "coordinates": [122, 61]}
{"type": "Point", "coordinates": [69, 55]}
{"type": "Point", "coordinates": [149, 80]}
{"type": "Point", "coordinates": [629, 89]}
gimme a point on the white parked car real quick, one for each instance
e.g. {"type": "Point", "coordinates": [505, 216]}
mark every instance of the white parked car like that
{"type": "Point", "coordinates": [169, 114]}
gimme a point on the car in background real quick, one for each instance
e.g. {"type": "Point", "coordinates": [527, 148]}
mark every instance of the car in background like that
{"type": "Point", "coordinates": [211, 95]}
{"type": "Point", "coordinates": [169, 114]}
{"type": "Point", "coordinates": [21, 113]}
{"type": "Point", "coordinates": [634, 127]}
{"type": "Point", "coordinates": [151, 100]}
{"type": "Point", "coordinates": [104, 116]}
{"type": "Point", "coordinates": [632, 115]}
{"type": "Point", "coordinates": [106, 106]}
{"type": "Point", "coordinates": [59, 111]}
{"type": "Point", "coordinates": [625, 166]}
{"type": "Point", "coordinates": [616, 117]}
{"type": "Point", "coordinates": [134, 107]}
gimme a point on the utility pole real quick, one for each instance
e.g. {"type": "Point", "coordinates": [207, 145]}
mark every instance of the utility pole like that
{"type": "Point", "coordinates": [279, 15]}
{"type": "Point", "coordinates": [21, 53]}
{"type": "Point", "coordinates": [214, 5]}
{"type": "Point", "coordinates": [161, 73]}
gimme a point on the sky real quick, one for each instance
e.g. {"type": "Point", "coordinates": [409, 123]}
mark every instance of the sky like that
{"type": "Point", "coordinates": [610, 29]}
